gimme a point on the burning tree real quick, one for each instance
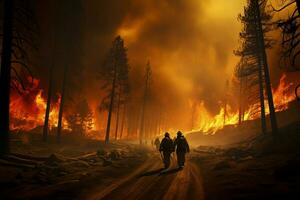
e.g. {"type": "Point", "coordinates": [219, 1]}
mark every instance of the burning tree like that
{"type": "Point", "coordinates": [19, 31]}
{"type": "Point", "coordinates": [253, 68]}
{"type": "Point", "coordinates": [81, 120]}
{"type": "Point", "coordinates": [68, 24]}
{"type": "Point", "coordinates": [122, 93]}
{"type": "Point", "coordinates": [114, 72]}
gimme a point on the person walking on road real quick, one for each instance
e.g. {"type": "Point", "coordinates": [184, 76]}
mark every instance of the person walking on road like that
{"type": "Point", "coordinates": [182, 147]}
{"type": "Point", "coordinates": [167, 147]}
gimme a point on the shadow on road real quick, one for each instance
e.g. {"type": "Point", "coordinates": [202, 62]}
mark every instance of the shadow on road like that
{"type": "Point", "coordinates": [152, 172]}
{"type": "Point", "coordinates": [160, 172]}
{"type": "Point", "coordinates": [171, 171]}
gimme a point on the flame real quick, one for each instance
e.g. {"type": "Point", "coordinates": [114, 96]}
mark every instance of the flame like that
{"type": "Point", "coordinates": [283, 95]}
{"type": "Point", "coordinates": [209, 124]}
{"type": "Point", "coordinates": [27, 111]}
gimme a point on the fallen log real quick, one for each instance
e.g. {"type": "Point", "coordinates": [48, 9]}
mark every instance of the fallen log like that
{"type": "Point", "coordinates": [29, 157]}
{"type": "Point", "coordinates": [13, 164]}
{"type": "Point", "coordinates": [19, 160]}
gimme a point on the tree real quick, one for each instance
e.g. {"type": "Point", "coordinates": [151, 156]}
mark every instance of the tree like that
{"type": "Point", "coordinates": [49, 96]}
{"type": "Point", "coordinates": [253, 65]}
{"type": "Point", "coordinates": [68, 25]}
{"type": "Point", "coordinates": [123, 92]}
{"type": "Point", "coordinates": [81, 120]}
{"type": "Point", "coordinates": [114, 71]}
{"type": "Point", "coordinates": [290, 32]}
{"type": "Point", "coordinates": [19, 34]}
{"type": "Point", "coordinates": [148, 74]}
{"type": "Point", "coordinates": [123, 119]}
{"type": "Point", "coordinates": [263, 43]}
{"type": "Point", "coordinates": [5, 77]}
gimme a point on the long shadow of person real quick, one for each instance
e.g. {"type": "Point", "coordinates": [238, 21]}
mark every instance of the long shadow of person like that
{"type": "Point", "coordinates": [151, 173]}
{"type": "Point", "coordinates": [171, 171]}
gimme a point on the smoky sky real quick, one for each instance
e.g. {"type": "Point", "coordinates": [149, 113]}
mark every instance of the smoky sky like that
{"type": "Point", "coordinates": [189, 44]}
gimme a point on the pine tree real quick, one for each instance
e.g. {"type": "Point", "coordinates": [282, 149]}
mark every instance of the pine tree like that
{"type": "Point", "coordinates": [114, 71]}
{"type": "Point", "coordinates": [253, 65]}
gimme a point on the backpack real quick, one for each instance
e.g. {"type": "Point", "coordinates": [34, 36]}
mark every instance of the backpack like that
{"type": "Point", "coordinates": [181, 144]}
{"type": "Point", "coordinates": [167, 145]}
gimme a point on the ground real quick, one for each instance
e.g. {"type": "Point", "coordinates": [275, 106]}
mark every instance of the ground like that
{"type": "Point", "coordinates": [85, 169]}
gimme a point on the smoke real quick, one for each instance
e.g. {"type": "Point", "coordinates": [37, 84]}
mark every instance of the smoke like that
{"type": "Point", "coordinates": [189, 45]}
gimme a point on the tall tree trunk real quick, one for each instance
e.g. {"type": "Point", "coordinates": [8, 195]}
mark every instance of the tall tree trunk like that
{"type": "Point", "coordinates": [142, 127]}
{"type": "Point", "coordinates": [262, 99]}
{"type": "Point", "coordinates": [112, 96]}
{"type": "Point", "coordinates": [123, 121]}
{"type": "Point", "coordinates": [266, 72]}
{"type": "Point", "coordinates": [46, 123]}
{"type": "Point", "coordinates": [61, 106]}
{"type": "Point", "coordinates": [240, 100]}
{"type": "Point", "coordinates": [5, 76]}
{"type": "Point", "coordinates": [118, 116]}
{"type": "Point", "coordinates": [141, 131]}
{"type": "Point", "coordinates": [225, 113]}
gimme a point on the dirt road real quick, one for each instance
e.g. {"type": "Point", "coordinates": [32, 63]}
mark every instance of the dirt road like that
{"type": "Point", "coordinates": [149, 182]}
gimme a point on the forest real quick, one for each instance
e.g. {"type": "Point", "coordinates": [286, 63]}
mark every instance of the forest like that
{"type": "Point", "coordinates": [90, 91]}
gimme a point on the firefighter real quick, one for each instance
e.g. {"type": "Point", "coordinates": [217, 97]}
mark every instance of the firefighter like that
{"type": "Point", "coordinates": [166, 147]}
{"type": "Point", "coordinates": [182, 147]}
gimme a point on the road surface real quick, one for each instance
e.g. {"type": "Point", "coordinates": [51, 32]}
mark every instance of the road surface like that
{"type": "Point", "coordinates": [149, 182]}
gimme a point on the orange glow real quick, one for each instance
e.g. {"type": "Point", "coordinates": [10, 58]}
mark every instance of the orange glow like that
{"type": "Point", "coordinates": [209, 124]}
{"type": "Point", "coordinates": [283, 95]}
{"type": "Point", "coordinates": [27, 111]}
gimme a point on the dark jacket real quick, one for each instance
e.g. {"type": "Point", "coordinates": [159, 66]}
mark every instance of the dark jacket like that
{"type": "Point", "coordinates": [166, 145]}
{"type": "Point", "coordinates": [181, 145]}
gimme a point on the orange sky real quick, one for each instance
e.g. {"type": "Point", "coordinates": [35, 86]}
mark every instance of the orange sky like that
{"type": "Point", "coordinates": [189, 44]}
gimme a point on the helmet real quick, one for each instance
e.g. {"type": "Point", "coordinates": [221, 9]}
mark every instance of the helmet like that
{"type": "Point", "coordinates": [167, 134]}
{"type": "Point", "coordinates": [179, 133]}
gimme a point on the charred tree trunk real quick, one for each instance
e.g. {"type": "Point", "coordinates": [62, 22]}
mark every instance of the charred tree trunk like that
{"type": "Point", "coordinates": [266, 71]}
{"type": "Point", "coordinates": [61, 106]}
{"type": "Point", "coordinates": [142, 127]}
{"type": "Point", "coordinates": [141, 131]}
{"type": "Point", "coordinates": [225, 113]}
{"type": "Point", "coordinates": [123, 121]}
{"type": "Point", "coordinates": [112, 96]}
{"type": "Point", "coordinates": [262, 100]}
{"type": "Point", "coordinates": [118, 116]}
{"type": "Point", "coordinates": [225, 103]}
{"type": "Point", "coordinates": [5, 76]}
{"type": "Point", "coordinates": [46, 123]}
{"type": "Point", "coordinates": [240, 100]}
